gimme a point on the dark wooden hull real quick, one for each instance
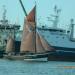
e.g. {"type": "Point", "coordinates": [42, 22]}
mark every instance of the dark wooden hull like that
{"type": "Point", "coordinates": [27, 56]}
{"type": "Point", "coordinates": [62, 56]}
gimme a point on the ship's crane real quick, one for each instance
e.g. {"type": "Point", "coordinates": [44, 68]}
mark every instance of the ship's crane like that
{"type": "Point", "coordinates": [23, 7]}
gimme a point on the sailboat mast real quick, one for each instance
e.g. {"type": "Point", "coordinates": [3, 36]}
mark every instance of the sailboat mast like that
{"type": "Point", "coordinates": [23, 7]}
{"type": "Point", "coordinates": [35, 28]}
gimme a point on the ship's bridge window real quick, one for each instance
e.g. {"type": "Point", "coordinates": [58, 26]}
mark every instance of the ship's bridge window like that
{"type": "Point", "coordinates": [56, 30]}
{"type": "Point", "coordinates": [43, 26]}
{"type": "Point", "coordinates": [52, 30]}
{"type": "Point", "coordinates": [68, 31]}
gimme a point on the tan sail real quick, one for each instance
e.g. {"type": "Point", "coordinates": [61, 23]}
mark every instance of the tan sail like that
{"type": "Point", "coordinates": [31, 16]}
{"type": "Point", "coordinates": [29, 25]}
{"type": "Point", "coordinates": [45, 44]}
{"type": "Point", "coordinates": [39, 46]}
{"type": "Point", "coordinates": [26, 27]}
{"type": "Point", "coordinates": [10, 45]}
{"type": "Point", "coordinates": [28, 38]}
{"type": "Point", "coordinates": [32, 44]}
{"type": "Point", "coordinates": [31, 40]}
{"type": "Point", "coordinates": [29, 21]}
{"type": "Point", "coordinates": [25, 30]}
{"type": "Point", "coordinates": [28, 45]}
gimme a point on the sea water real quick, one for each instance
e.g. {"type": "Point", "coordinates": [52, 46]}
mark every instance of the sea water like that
{"type": "Point", "coordinates": [12, 67]}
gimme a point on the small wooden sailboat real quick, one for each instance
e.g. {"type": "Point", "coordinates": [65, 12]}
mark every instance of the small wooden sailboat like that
{"type": "Point", "coordinates": [33, 45]}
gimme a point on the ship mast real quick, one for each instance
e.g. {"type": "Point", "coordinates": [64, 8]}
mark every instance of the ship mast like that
{"type": "Point", "coordinates": [35, 28]}
{"type": "Point", "coordinates": [55, 16]}
{"type": "Point", "coordinates": [4, 21]}
{"type": "Point", "coordinates": [3, 24]}
{"type": "Point", "coordinates": [72, 35]}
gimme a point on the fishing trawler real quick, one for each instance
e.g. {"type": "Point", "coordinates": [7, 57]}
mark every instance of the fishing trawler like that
{"type": "Point", "coordinates": [60, 39]}
{"type": "Point", "coordinates": [33, 45]}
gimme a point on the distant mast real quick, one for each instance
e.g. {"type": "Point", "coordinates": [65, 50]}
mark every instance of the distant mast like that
{"type": "Point", "coordinates": [7, 29]}
{"type": "Point", "coordinates": [72, 36]}
{"type": "Point", "coordinates": [23, 8]}
{"type": "Point", "coordinates": [4, 21]}
{"type": "Point", "coordinates": [55, 17]}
